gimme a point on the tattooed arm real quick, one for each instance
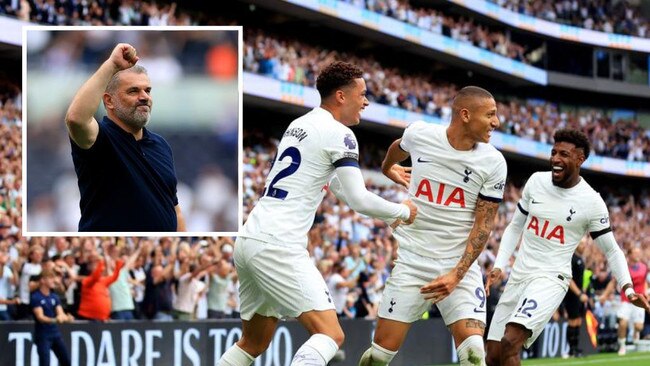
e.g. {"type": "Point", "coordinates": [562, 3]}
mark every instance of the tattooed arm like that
{"type": "Point", "coordinates": [442, 286]}
{"type": "Point", "coordinates": [486, 211]}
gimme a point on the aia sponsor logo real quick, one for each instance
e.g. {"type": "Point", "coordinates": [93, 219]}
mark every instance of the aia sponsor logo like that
{"type": "Point", "coordinates": [443, 195]}
{"type": "Point", "coordinates": [544, 229]}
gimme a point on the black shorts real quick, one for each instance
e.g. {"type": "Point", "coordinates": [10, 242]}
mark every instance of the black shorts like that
{"type": "Point", "coordinates": [574, 307]}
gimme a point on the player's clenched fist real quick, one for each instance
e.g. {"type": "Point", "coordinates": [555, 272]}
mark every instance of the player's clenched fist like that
{"type": "Point", "coordinates": [414, 211]}
{"type": "Point", "coordinates": [123, 56]}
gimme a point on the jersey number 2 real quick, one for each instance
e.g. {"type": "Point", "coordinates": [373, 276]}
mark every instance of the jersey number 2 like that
{"type": "Point", "coordinates": [294, 154]}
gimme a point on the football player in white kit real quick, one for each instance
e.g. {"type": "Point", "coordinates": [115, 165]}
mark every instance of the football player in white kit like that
{"type": "Point", "coordinates": [277, 277]}
{"type": "Point", "coordinates": [457, 182]}
{"type": "Point", "coordinates": [556, 210]}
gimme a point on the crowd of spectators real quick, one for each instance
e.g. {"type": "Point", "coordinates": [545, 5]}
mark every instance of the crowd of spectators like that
{"type": "Point", "coordinates": [292, 60]}
{"type": "Point", "coordinates": [459, 28]}
{"type": "Point", "coordinates": [76, 12]}
{"type": "Point", "coordinates": [123, 278]}
{"type": "Point", "coordinates": [11, 152]}
{"type": "Point", "coordinates": [137, 12]}
{"type": "Point", "coordinates": [355, 253]}
{"type": "Point", "coordinates": [620, 17]}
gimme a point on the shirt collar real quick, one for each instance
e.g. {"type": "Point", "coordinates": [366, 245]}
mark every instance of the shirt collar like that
{"type": "Point", "coordinates": [146, 136]}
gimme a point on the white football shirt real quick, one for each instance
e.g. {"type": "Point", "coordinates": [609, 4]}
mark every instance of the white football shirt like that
{"type": "Point", "coordinates": [445, 185]}
{"type": "Point", "coordinates": [312, 147]}
{"type": "Point", "coordinates": [558, 218]}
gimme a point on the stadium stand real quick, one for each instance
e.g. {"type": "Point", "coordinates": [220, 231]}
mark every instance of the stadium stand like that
{"type": "Point", "coordinates": [620, 17]}
{"type": "Point", "coordinates": [291, 60]}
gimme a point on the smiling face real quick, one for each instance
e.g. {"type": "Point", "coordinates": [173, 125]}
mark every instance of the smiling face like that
{"type": "Point", "coordinates": [565, 161]}
{"type": "Point", "coordinates": [482, 119]}
{"type": "Point", "coordinates": [132, 101]}
{"type": "Point", "coordinates": [353, 101]}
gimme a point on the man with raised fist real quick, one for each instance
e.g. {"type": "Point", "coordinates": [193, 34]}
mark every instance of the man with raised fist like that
{"type": "Point", "coordinates": [126, 173]}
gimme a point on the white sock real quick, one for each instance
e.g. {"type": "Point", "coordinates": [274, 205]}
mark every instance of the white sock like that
{"type": "Point", "coordinates": [318, 350]}
{"type": "Point", "coordinates": [471, 351]}
{"type": "Point", "coordinates": [376, 355]}
{"type": "Point", "coordinates": [621, 342]}
{"type": "Point", "coordinates": [235, 356]}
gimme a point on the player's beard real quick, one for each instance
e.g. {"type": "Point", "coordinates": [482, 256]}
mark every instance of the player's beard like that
{"type": "Point", "coordinates": [133, 116]}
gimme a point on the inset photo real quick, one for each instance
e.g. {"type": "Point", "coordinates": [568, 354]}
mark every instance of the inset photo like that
{"type": "Point", "coordinates": [131, 130]}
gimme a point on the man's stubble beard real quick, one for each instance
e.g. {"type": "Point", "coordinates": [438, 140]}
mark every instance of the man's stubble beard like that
{"type": "Point", "coordinates": [132, 116]}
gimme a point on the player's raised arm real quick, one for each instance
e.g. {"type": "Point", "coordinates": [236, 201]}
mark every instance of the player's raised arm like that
{"type": "Point", "coordinates": [395, 172]}
{"type": "Point", "coordinates": [82, 126]}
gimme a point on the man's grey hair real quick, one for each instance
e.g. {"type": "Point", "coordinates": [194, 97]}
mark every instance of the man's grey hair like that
{"type": "Point", "coordinates": [111, 88]}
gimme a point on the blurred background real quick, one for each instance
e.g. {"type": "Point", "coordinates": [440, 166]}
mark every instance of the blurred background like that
{"type": "Point", "coordinates": [196, 109]}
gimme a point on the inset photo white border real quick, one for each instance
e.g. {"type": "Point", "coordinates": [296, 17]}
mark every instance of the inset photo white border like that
{"type": "Point", "coordinates": [183, 93]}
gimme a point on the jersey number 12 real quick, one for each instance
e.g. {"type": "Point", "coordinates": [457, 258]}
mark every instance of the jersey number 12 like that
{"type": "Point", "coordinates": [294, 154]}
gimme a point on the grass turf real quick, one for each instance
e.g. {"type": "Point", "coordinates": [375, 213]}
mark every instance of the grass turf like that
{"type": "Point", "coordinates": [604, 359]}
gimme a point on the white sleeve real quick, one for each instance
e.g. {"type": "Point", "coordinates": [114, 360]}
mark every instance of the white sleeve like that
{"type": "Point", "coordinates": [510, 238]}
{"type": "Point", "coordinates": [336, 188]}
{"type": "Point", "coordinates": [341, 147]}
{"type": "Point", "coordinates": [492, 189]}
{"type": "Point", "coordinates": [607, 243]}
{"type": "Point", "coordinates": [410, 133]}
{"type": "Point", "coordinates": [359, 199]}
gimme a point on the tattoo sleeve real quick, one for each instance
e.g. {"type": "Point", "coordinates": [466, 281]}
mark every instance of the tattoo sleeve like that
{"type": "Point", "coordinates": [478, 236]}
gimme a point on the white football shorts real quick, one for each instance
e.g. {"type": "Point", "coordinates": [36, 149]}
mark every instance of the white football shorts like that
{"type": "Point", "coordinates": [403, 302]}
{"type": "Point", "coordinates": [530, 303]}
{"type": "Point", "coordinates": [277, 280]}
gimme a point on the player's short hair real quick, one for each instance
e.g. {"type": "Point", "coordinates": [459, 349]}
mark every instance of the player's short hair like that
{"type": "Point", "coordinates": [474, 92]}
{"type": "Point", "coordinates": [467, 94]}
{"type": "Point", "coordinates": [335, 76]}
{"type": "Point", "coordinates": [111, 88]}
{"type": "Point", "coordinates": [575, 137]}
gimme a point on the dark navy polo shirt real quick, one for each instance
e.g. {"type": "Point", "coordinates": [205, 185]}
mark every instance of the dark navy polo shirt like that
{"type": "Point", "coordinates": [126, 185]}
{"type": "Point", "coordinates": [49, 304]}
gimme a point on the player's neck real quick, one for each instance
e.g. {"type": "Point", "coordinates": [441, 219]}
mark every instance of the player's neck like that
{"type": "Point", "coordinates": [570, 183]}
{"type": "Point", "coordinates": [335, 112]}
{"type": "Point", "coordinates": [458, 139]}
